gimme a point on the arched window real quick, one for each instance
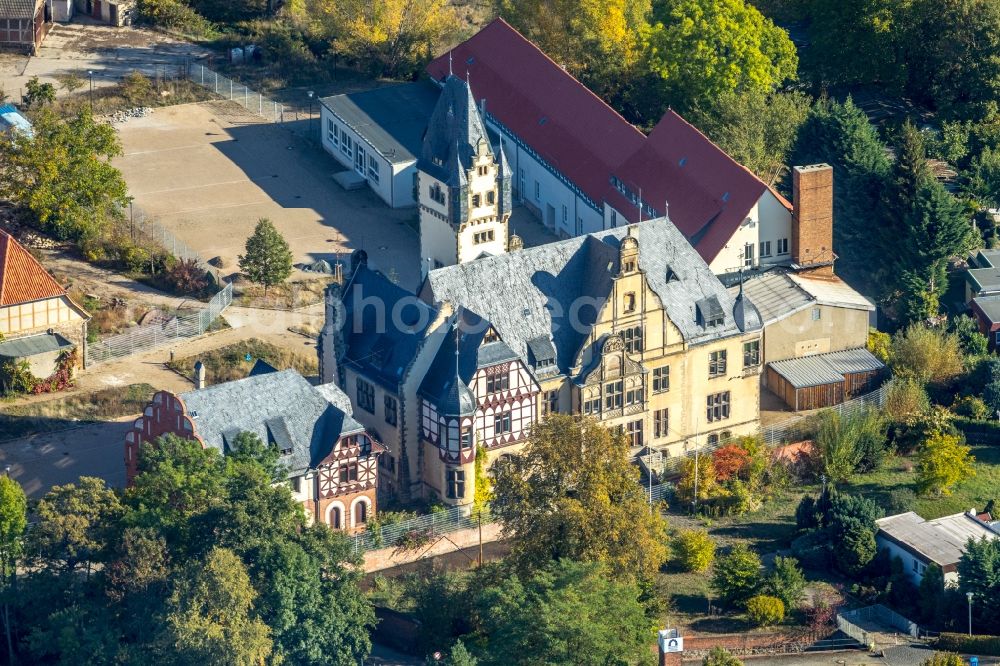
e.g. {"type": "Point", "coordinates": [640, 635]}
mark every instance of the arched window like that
{"type": "Point", "coordinates": [713, 440]}
{"type": "Point", "coordinates": [335, 518]}
{"type": "Point", "coordinates": [360, 513]}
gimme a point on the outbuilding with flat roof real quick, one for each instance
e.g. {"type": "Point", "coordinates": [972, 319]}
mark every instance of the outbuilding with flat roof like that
{"type": "Point", "coordinates": [378, 134]}
{"type": "Point", "coordinates": [941, 541]}
{"type": "Point", "coordinates": [824, 380]}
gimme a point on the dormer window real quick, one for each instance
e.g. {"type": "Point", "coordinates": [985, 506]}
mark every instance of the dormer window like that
{"type": "Point", "coordinates": [629, 266]}
{"type": "Point", "coordinates": [491, 335]}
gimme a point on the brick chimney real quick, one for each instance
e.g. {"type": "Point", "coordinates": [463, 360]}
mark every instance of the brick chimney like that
{"type": "Point", "coordinates": [199, 375]}
{"type": "Point", "coordinates": [812, 218]}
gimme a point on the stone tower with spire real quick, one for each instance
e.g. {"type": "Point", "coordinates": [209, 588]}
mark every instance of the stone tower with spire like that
{"type": "Point", "coordinates": [463, 184]}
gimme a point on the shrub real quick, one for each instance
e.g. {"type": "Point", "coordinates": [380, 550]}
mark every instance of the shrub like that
{"type": "Point", "coordinates": [905, 400]}
{"type": "Point", "coordinates": [764, 611]}
{"type": "Point", "coordinates": [972, 342]}
{"type": "Point", "coordinates": [879, 344]}
{"type": "Point", "coordinates": [174, 15]}
{"type": "Point", "coordinates": [991, 396]}
{"type": "Point", "coordinates": [971, 406]}
{"type": "Point", "coordinates": [720, 656]}
{"type": "Point", "coordinates": [965, 644]}
{"type": "Point", "coordinates": [944, 659]}
{"type": "Point", "coordinates": [694, 550]}
{"type": "Point", "coordinates": [729, 461]}
{"type": "Point", "coordinates": [737, 576]}
{"type": "Point", "coordinates": [943, 461]}
{"type": "Point", "coordinates": [136, 88]}
{"type": "Point", "coordinates": [926, 354]}
{"type": "Point", "coordinates": [186, 277]}
{"type": "Point", "coordinates": [900, 500]}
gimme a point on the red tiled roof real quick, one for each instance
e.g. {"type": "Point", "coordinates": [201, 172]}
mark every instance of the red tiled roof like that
{"type": "Point", "coordinates": [22, 278]}
{"type": "Point", "coordinates": [585, 139]}
{"type": "Point", "coordinates": [709, 193]}
{"type": "Point", "coordinates": [570, 127]}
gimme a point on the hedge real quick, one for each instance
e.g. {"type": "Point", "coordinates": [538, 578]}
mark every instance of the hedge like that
{"type": "Point", "coordinates": [979, 432]}
{"type": "Point", "coordinates": [961, 643]}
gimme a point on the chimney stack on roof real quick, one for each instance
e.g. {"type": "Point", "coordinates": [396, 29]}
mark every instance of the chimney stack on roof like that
{"type": "Point", "coordinates": [199, 375]}
{"type": "Point", "coordinates": [812, 218]}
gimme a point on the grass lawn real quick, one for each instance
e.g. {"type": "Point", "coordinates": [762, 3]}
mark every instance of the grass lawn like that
{"type": "Point", "coordinates": [284, 296]}
{"type": "Point", "coordinates": [69, 411]}
{"type": "Point", "coordinates": [971, 492]}
{"type": "Point", "coordinates": [228, 363]}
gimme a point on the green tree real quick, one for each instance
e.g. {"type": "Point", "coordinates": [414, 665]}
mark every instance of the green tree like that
{"type": "Point", "coordinates": [459, 656]}
{"type": "Point", "coordinates": [927, 355]}
{"type": "Point", "coordinates": [849, 444]}
{"type": "Point", "coordinates": [756, 129]}
{"type": "Point", "coordinates": [249, 448]}
{"type": "Point", "coordinates": [970, 339]}
{"type": "Point", "coordinates": [764, 611]}
{"type": "Point", "coordinates": [841, 135]}
{"type": "Point", "coordinates": [63, 175]}
{"type": "Point", "coordinates": [573, 493]}
{"type": "Point", "coordinates": [559, 616]}
{"type": "Point", "coordinates": [906, 400]}
{"type": "Point", "coordinates": [698, 50]}
{"type": "Point", "coordinates": [979, 573]}
{"type": "Point", "coordinates": [983, 177]}
{"type": "Point", "coordinates": [598, 41]}
{"type": "Point", "coordinates": [390, 37]}
{"type": "Point", "coordinates": [785, 581]}
{"type": "Point", "coordinates": [737, 576]}
{"type": "Point", "coordinates": [73, 523]}
{"type": "Point", "coordinates": [694, 550]}
{"type": "Point", "coordinates": [879, 344]}
{"type": "Point", "coordinates": [924, 226]}
{"type": "Point", "coordinates": [38, 93]}
{"type": "Point", "coordinates": [267, 261]}
{"type": "Point", "coordinates": [210, 615]}
{"type": "Point", "coordinates": [178, 482]}
{"type": "Point", "coordinates": [13, 521]}
{"type": "Point", "coordinates": [942, 462]}
{"type": "Point", "coordinates": [720, 656]}
{"type": "Point", "coordinates": [484, 485]}
{"type": "Point", "coordinates": [873, 54]}
{"type": "Point", "coordinates": [954, 56]}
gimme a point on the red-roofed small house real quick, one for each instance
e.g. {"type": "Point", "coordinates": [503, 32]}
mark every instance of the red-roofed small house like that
{"type": "Point", "coordinates": [38, 320]}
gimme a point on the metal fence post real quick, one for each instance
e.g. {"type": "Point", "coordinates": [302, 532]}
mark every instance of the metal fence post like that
{"type": "Point", "coordinates": [230, 88]}
{"type": "Point", "coordinates": [202, 75]}
{"type": "Point", "coordinates": [216, 82]}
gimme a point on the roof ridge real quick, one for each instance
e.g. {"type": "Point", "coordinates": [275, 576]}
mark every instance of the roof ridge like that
{"type": "Point", "coordinates": [5, 241]}
{"type": "Point", "coordinates": [41, 282]}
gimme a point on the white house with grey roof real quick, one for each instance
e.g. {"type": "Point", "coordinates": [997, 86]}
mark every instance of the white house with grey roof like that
{"type": "Point", "coordinates": [941, 541]}
{"type": "Point", "coordinates": [330, 458]}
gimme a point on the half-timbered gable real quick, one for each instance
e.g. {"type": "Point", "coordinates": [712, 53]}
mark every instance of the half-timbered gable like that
{"type": "Point", "coordinates": [329, 457]}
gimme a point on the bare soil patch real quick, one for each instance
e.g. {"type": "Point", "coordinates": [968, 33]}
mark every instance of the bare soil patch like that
{"type": "Point", "coordinates": [69, 411]}
{"type": "Point", "coordinates": [235, 361]}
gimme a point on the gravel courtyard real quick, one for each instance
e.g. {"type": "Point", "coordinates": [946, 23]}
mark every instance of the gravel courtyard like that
{"type": "Point", "coordinates": [209, 171]}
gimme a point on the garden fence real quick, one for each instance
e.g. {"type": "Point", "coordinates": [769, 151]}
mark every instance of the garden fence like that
{"type": "Point", "coordinates": [141, 224]}
{"type": "Point", "coordinates": [148, 337]}
{"type": "Point", "coordinates": [240, 93]}
{"type": "Point", "coordinates": [852, 623]}
{"type": "Point", "coordinates": [799, 427]}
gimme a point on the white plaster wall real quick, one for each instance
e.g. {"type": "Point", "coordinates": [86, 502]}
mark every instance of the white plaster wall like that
{"type": "Point", "coordinates": [730, 257]}
{"type": "Point", "coordinates": [469, 250]}
{"type": "Point", "coordinates": [437, 242]}
{"type": "Point", "coordinates": [907, 558]}
{"type": "Point", "coordinates": [775, 223]}
{"type": "Point", "coordinates": [390, 187]}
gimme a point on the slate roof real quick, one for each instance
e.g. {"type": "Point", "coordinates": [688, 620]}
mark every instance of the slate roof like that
{"type": "Point", "coordinates": [19, 8]}
{"type": "Point", "coordinates": [453, 131]}
{"type": "Point", "coordinates": [709, 193]}
{"type": "Point", "coordinates": [393, 119]}
{"type": "Point", "coordinates": [22, 278]}
{"type": "Point", "coordinates": [374, 345]}
{"type": "Point", "coordinates": [280, 407]}
{"type": "Point", "coordinates": [566, 124]}
{"type": "Point", "coordinates": [528, 295]}
{"type": "Point", "coordinates": [984, 279]}
{"type": "Point", "coordinates": [829, 368]}
{"type": "Point", "coordinates": [985, 259]}
{"type": "Point", "coordinates": [941, 540]}
{"type": "Point", "coordinates": [440, 384]}
{"type": "Point", "coordinates": [578, 134]}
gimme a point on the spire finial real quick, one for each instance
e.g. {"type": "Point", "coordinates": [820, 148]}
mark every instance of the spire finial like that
{"type": "Point", "coordinates": [455, 328]}
{"type": "Point", "coordinates": [741, 283]}
{"type": "Point", "coordinates": [666, 209]}
{"type": "Point", "coordinates": [450, 73]}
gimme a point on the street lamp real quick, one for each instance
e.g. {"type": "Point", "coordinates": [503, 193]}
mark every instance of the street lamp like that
{"type": "Point", "coordinates": [311, 94]}
{"type": "Point", "coordinates": [968, 595]}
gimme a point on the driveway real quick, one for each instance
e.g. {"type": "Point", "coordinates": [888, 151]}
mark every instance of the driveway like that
{"type": "Point", "coordinates": [39, 462]}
